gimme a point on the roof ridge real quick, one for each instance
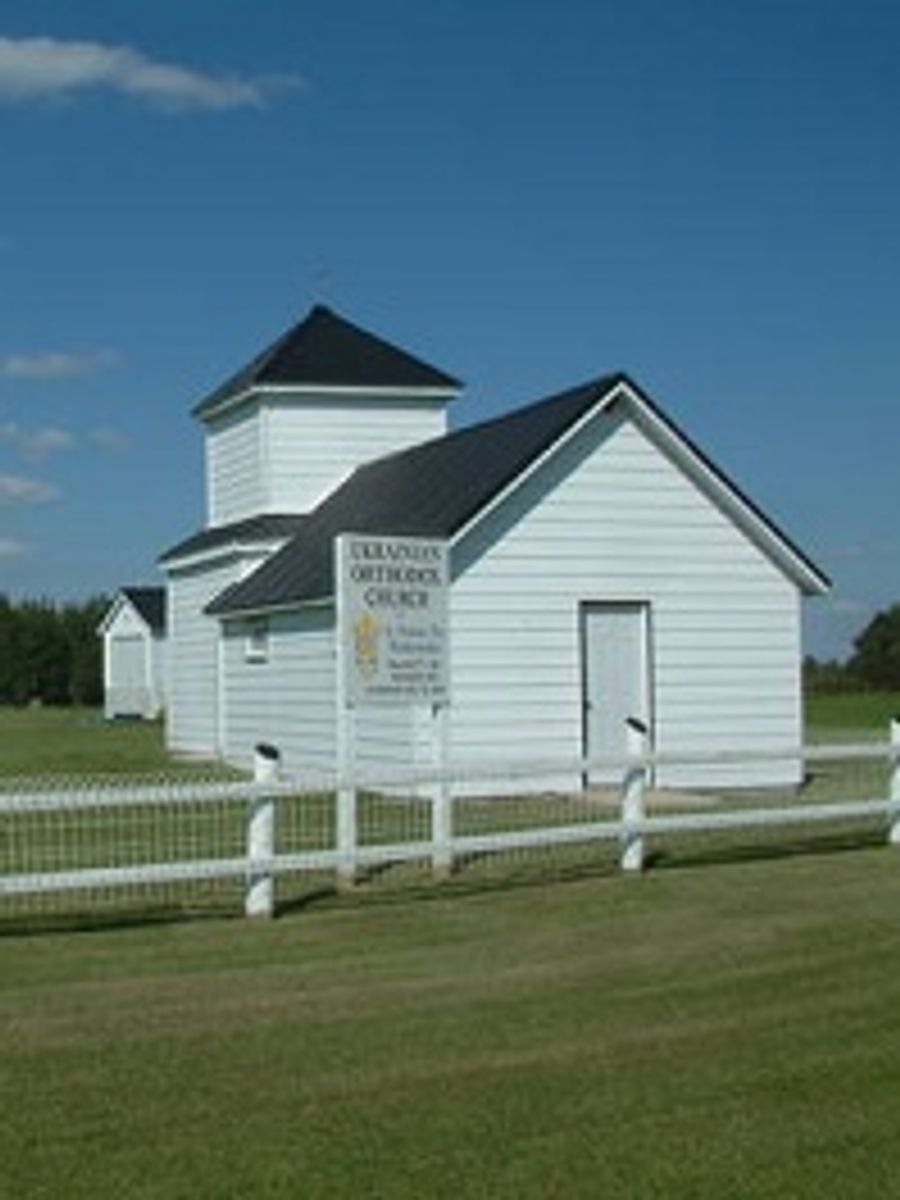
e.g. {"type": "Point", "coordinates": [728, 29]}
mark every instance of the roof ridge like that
{"type": "Point", "coordinates": [602, 384]}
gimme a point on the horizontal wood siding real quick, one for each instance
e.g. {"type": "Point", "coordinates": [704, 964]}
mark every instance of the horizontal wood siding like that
{"type": "Point", "coordinates": [235, 470]}
{"type": "Point", "coordinates": [289, 699]}
{"type": "Point", "coordinates": [386, 743]}
{"type": "Point", "coordinates": [192, 705]}
{"type": "Point", "coordinates": [313, 444]}
{"type": "Point", "coordinates": [285, 453]}
{"type": "Point", "coordinates": [611, 518]}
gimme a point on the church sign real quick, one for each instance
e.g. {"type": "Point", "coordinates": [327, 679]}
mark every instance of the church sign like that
{"type": "Point", "coordinates": [393, 622]}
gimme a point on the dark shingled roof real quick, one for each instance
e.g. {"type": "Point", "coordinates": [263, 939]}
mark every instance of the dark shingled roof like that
{"type": "Point", "coordinates": [150, 602]}
{"type": "Point", "coordinates": [327, 350]}
{"type": "Point", "coordinates": [430, 490]}
{"type": "Point", "coordinates": [268, 527]}
{"type": "Point", "coordinates": [435, 489]}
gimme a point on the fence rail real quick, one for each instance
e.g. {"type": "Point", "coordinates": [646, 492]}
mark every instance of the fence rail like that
{"type": "Point", "coordinates": [98, 836]}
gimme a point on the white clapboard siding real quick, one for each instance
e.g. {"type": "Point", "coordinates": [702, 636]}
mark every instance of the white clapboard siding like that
{"type": "Point", "coordinates": [287, 698]}
{"type": "Point", "coordinates": [612, 518]}
{"type": "Point", "coordinates": [192, 725]}
{"type": "Point", "coordinates": [314, 443]}
{"type": "Point", "coordinates": [386, 741]}
{"type": "Point", "coordinates": [234, 465]}
{"type": "Point", "coordinates": [283, 452]}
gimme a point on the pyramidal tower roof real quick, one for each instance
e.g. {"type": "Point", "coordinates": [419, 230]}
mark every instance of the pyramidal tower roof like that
{"type": "Point", "coordinates": [325, 350]}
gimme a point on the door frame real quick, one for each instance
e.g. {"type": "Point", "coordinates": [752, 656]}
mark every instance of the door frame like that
{"type": "Point", "coordinates": [645, 609]}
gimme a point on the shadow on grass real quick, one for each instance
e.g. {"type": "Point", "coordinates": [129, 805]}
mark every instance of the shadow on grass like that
{"type": "Point", "coordinates": [400, 883]}
{"type": "Point", "coordinates": [108, 920]}
{"type": "Point", "coordinates": [824, 844]}
{"type": "Point", "coordinates": [392, 884]}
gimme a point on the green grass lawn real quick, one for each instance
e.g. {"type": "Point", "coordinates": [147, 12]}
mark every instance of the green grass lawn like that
{"type": "Point", "coordinates": [727, 1025]}
{"type": "Point", "coordinates": [78, 741]}
{"type": "Point", "coordinates": [731, 1031]}
{"type": "Point", "coordinates": [60, 741]}
{"type": "Point", "coordinates": [850, 714]}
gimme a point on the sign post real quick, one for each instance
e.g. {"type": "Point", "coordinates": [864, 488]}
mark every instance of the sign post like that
{"type": "Point", "coordinates": [441, 800]}
{"type": "Point", "coordinates": [392, 650]}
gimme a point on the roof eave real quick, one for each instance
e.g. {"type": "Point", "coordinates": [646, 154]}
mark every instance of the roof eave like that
{"type": "Point", "coordinates": [121, 599]}
{"type": "Point", "coordinates": [804, 573]}
{"type": "Point", "coordinates": [259, 391]}
{"type": "Point", "coordinates": [604, 398]}
{"type": "Point", "coordinates": [222, 550]}
{"type": "Point", "coordinates": [266, 610]}
{"type": "Point", "coordinates": [755, 524]}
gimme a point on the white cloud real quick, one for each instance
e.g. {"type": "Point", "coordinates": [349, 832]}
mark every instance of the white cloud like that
{"type": "Point", "coordinates": [112, 441]}
{"type": "Point", "coordinates": [44, 442]}
{"type": "Point", "coordinates": [10, 548]}
{"type": "Point", "coordinates": [38, 443]}
{"type": "Point", "coordinates": [48, 440]}
{"type": "Point", "coordinates": [42, 67]}
{"type": "Point", "coordinates": [17, 489]}
{"type": "Point", "coordinates": [56, 364]}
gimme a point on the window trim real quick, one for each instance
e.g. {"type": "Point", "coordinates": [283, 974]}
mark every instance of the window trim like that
{"type": "Point", "coordinates": [256, 640]}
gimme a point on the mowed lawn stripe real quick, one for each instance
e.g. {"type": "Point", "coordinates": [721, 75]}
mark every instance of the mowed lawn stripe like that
{"type": "Point", "coordinates": [730, 1030]}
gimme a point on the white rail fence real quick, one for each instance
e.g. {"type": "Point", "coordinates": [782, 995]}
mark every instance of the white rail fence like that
{"type": "Point", "coordinates": [101, 836]}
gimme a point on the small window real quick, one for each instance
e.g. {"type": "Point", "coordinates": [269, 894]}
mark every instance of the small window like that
{"type": "Point", "coordinates": [256, 643]}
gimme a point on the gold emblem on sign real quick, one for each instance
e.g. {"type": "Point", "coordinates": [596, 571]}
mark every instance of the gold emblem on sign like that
{"type": "Point", "coordinates": [365, 637]}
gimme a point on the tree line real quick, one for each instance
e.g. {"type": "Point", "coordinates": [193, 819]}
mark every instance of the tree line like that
{"type": "Point", "coordinates": [50, 653]}
{"type": "Point", "coordinates": [874, 664]}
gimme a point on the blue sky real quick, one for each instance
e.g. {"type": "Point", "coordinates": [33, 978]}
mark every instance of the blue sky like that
{"type": "Point", "coordinates": [526, 193]}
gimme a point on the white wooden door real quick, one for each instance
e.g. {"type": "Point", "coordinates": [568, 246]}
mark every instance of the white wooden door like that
{"type": "Point", "coordinates": [127, 692]}
{"type": "Point", "coordinates": [616, 679]}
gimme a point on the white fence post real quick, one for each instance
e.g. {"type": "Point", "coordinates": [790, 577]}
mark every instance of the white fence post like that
{"type": "Point", "coordinates": [259, 900]}
{"type": "Point", "coordinates": [441, 798]}
{"type": "Point", "coordinates": [633, 788]}
{"type": "Point", "coordinates": [894, 829]}
{"type": "Point", "coordinates": [442, 829]}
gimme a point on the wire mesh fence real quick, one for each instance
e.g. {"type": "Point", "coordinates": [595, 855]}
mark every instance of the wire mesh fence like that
{"type": "Point", "coordinates": [107, 846]}
{"type": "Point", "coordinates": [107, 850]}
